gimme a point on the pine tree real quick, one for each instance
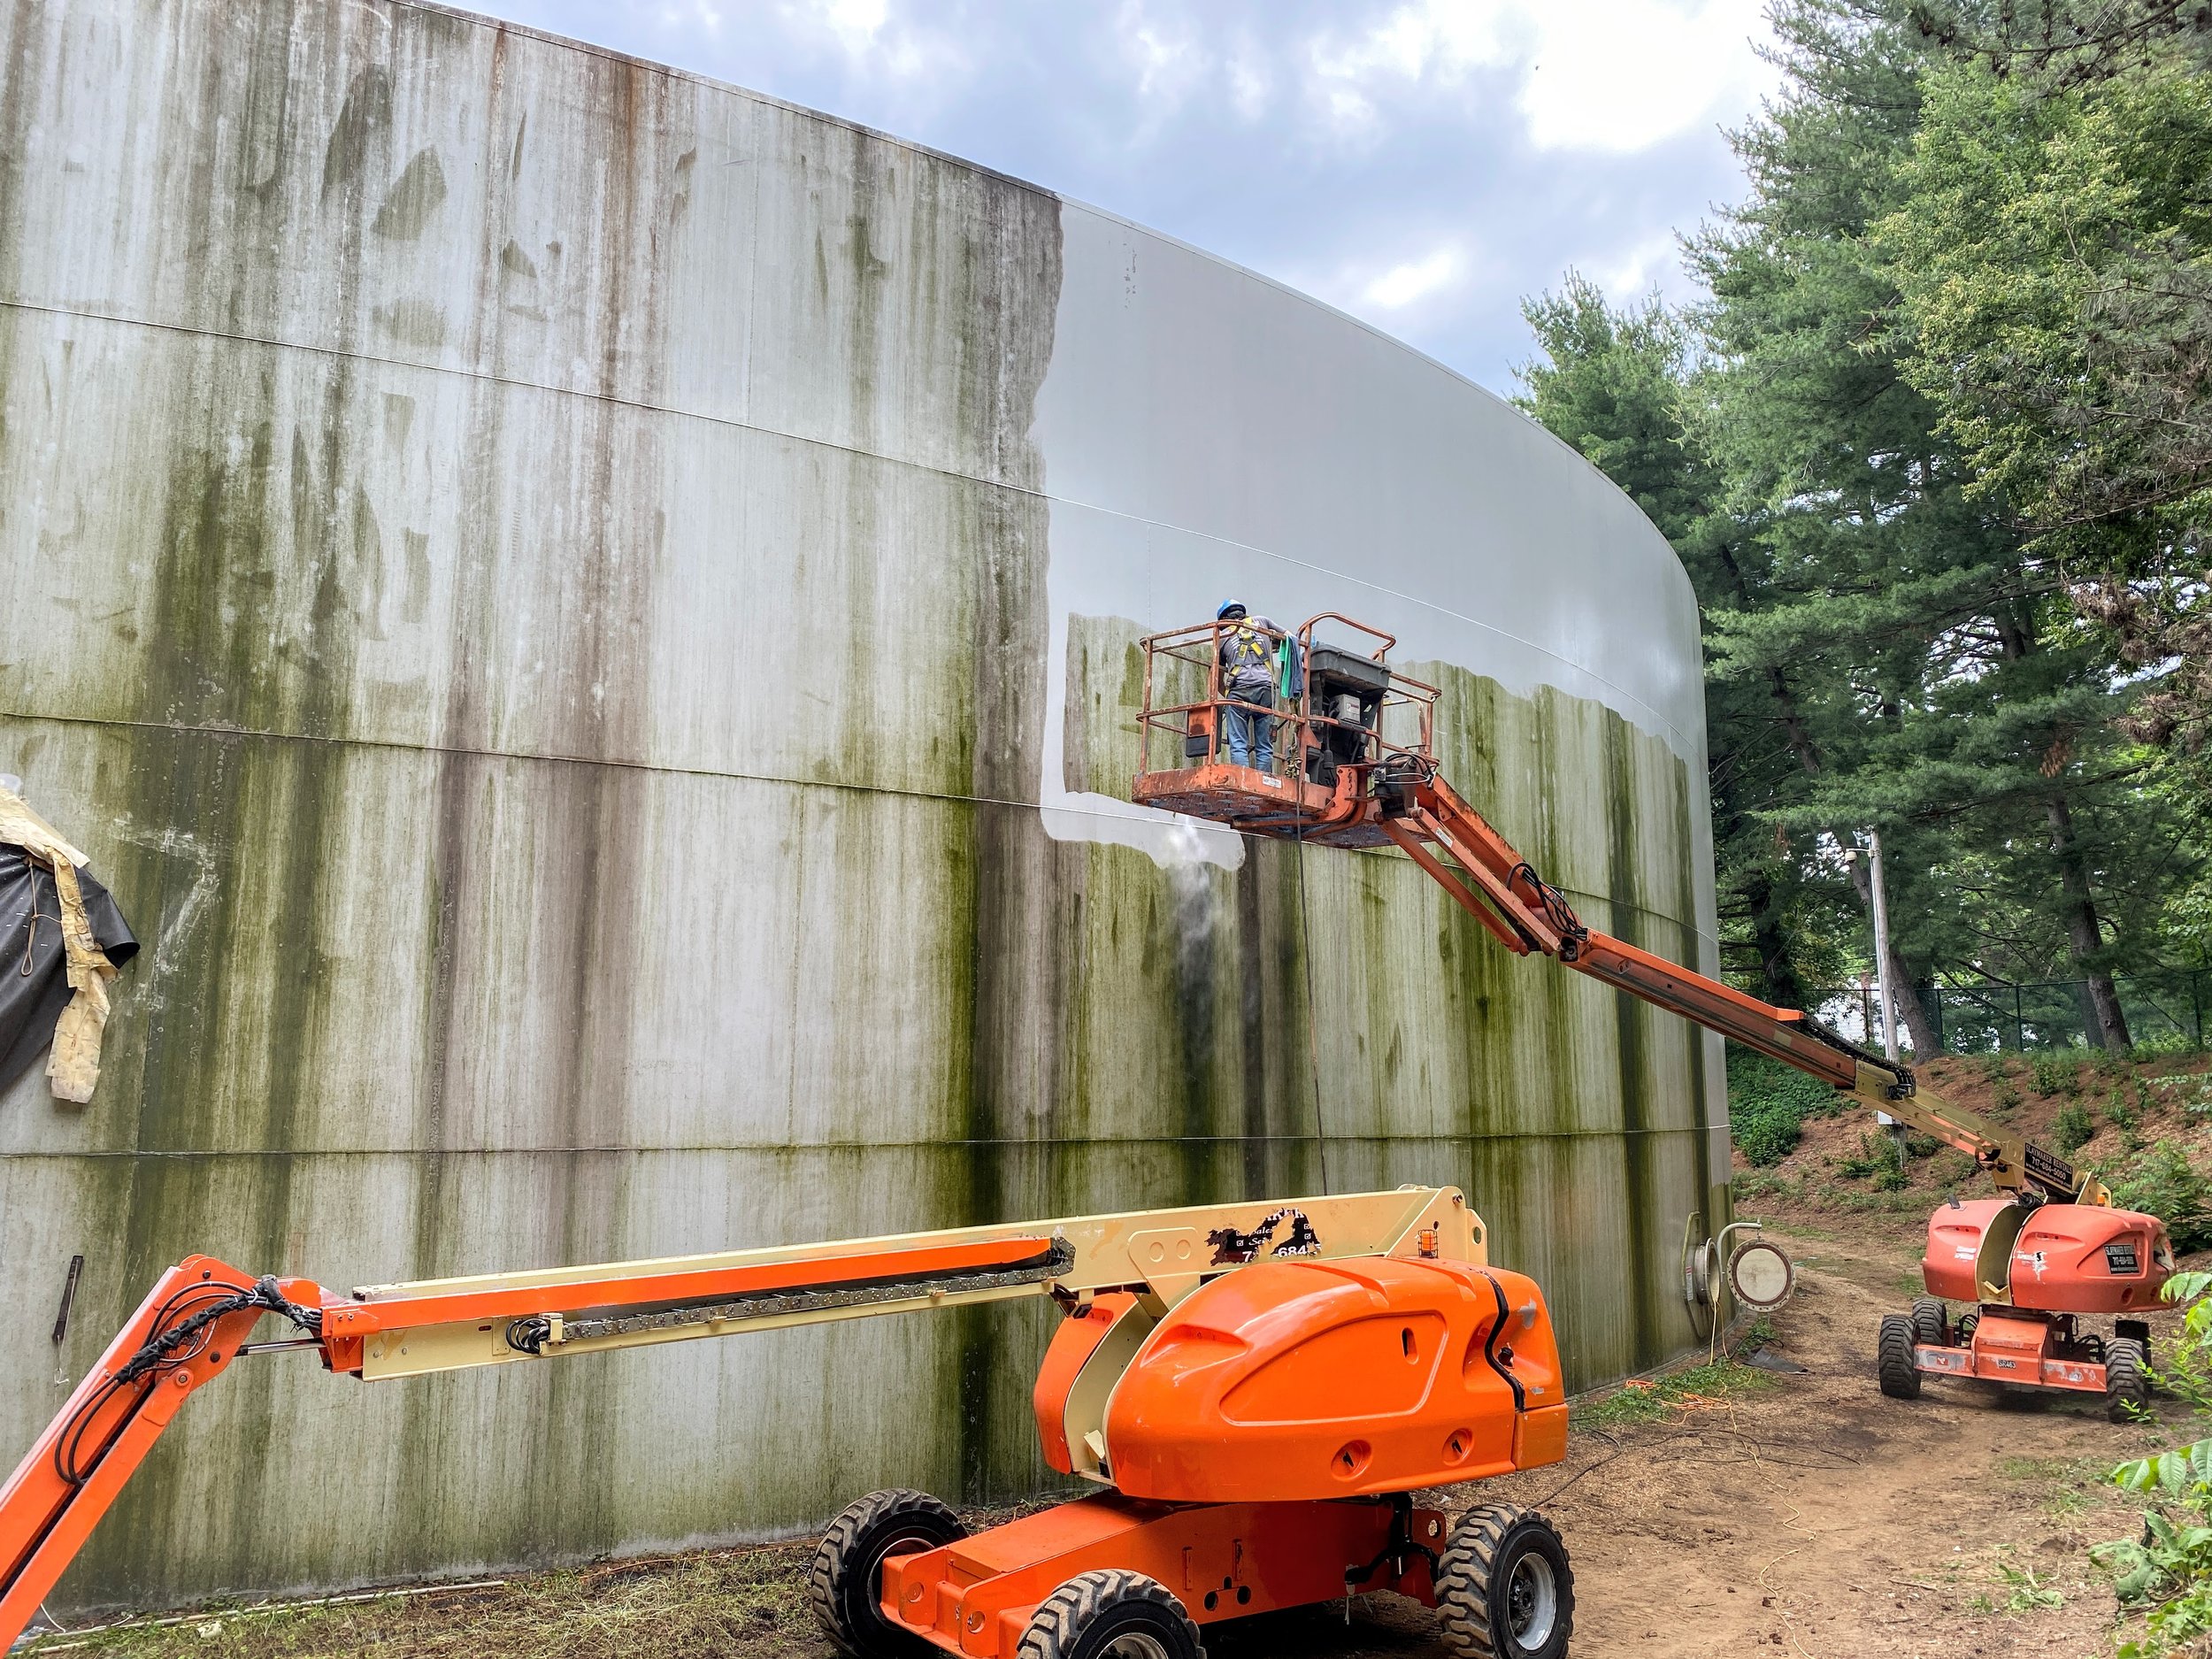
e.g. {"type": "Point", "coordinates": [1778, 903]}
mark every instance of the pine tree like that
{"type": "Point", "coordinates": [1613, 384]}
{"type": "Point", "coordinates": [2053, 250]}
{"type": "Point", "coordinates": [1948, 699]}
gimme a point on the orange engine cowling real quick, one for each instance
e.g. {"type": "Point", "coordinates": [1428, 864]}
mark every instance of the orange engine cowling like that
{"type": "Point", "coordinates": [2054, 1258]}
{"type": "Point", "coordinates": [1305, 1380]}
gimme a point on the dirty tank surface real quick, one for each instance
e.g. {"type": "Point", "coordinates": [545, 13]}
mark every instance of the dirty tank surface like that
{"type": "Point", "coordinates": [584, 616]}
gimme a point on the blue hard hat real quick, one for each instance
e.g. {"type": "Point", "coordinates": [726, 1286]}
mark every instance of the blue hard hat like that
{"type": "Point", "coordinates": [1228, 605]}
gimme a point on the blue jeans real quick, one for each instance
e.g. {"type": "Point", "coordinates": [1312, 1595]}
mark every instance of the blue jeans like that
{"type": "Point", "coordinates": [1251, 737]}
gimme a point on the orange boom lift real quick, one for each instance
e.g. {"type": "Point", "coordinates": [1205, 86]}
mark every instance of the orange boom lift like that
{"type": "Point", "coordinates": [1355, 767]}
{"type": "Point", "coordinates": [1255, 1390]}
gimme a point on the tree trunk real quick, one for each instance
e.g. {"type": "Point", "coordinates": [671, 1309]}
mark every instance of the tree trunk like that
{"type": "Point", "coordinates": [1777, 978]}
{"type": "Point", "coordinates": [2108, 1026]}
{"type": "Point", "coordinates": [1927, 1042]}
{"type": "Point", "coordinates": [2105, 1026]}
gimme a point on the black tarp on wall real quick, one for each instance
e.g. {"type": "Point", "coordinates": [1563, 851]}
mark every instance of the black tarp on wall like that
{"type": "Point", "coordinates": [33, 979]}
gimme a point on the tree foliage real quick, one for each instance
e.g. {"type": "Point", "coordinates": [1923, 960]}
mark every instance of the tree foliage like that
{"type": "Point", "coordinates": [2053, 252]}
{"type": "Point", "coordinates": [1897, 637]}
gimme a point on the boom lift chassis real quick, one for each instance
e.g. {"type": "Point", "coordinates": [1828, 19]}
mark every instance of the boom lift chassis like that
{"type": "Point", "coordinates": [1255, 1389]}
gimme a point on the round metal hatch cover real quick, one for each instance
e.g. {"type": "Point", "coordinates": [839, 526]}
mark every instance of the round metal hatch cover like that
{"type": "Point", "coordinates": [1760, 1275]}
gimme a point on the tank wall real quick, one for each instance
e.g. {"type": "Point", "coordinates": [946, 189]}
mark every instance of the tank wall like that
{"type": "Point", "coordinates": [587, 616]}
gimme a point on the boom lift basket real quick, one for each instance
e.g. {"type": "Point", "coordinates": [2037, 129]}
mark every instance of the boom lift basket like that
{"type": "Point", "coordinates": [1351, 713]}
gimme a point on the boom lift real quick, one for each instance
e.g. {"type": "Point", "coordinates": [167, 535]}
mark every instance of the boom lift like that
{"type": "Point", "coordinates": [1357, 767]}
{"type": "Point", "coordinates": [1255, 1390]}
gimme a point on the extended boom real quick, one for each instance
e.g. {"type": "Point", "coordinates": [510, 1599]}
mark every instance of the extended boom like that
{"type": "Point", "coordinates": [1361, 771]}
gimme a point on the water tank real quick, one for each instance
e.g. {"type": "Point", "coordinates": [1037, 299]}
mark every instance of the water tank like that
{"type": "Point", "coordinates": [588, 617]}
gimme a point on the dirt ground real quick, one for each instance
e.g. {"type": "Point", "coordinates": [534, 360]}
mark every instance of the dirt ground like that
{"type": "Point", "coordinates": [1797, 1512]}
{"type": "Point", "coordinates": [1818, 1518]}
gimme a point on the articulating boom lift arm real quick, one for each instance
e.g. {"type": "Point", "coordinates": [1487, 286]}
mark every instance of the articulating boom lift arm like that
{"type": "Point", "coordinates": [1420, 812]}
{"type": "Point", "coordinates": [201, 1314]}
{"type": "Point", "coordinates": [1357, 768]}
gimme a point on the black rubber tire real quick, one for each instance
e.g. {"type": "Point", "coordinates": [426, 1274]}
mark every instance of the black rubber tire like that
{"type": "Point", "coordinates": [1501, 1559]}
{"type": "Point", "coordinates": [1962, 1334]}
{"type": "Point", "coordinates": [1893, 1358]}
{"type": "Point", "coordinates": [2092, 1346]}
{"type": "Point", "coordinates": [1930, 1323]}
{"type": "Point", "coordinates": [848, 1572]}
{"type": "Point", "coordinates": [2127, 1383]}
{"type": "Point", "coordinates": [1091, 1612]}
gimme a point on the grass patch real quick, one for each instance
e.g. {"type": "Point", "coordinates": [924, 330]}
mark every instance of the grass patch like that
{"type": "Point", "coordinates": [727, 1602]}
{"type": "Point", "coordinates": [2064, 1482]}
{"type": "Point", "coordinates": [1641, 1400]}
{"type": "Point", "coordinates": [2019, 1590]}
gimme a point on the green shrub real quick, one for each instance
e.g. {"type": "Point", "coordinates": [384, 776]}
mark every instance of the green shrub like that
{"type": "Point", "coordinates": [2162, 1182]}
{"type": "Point", "coordinates": [2057, 1073]}
{"type": "Point", "coordinates": [2073, 1128]}
{"type": "Point", "coordinates": [2127, 1118]}
{"type": "Point", "coordinates": [1872, 1157]}
{"type": "Point", "coordinates": [1767, 1103]}
{"type": "Point", "coordinates": [1922, 1146]}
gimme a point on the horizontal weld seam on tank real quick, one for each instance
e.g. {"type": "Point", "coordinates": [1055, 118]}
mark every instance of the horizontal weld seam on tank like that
{"type": "Point", "coordinates": [1347, 1137]}
{"type": "Point", "coordinates": [1622, 692]}
{"type": "Point", "coordinates": [522, 757]}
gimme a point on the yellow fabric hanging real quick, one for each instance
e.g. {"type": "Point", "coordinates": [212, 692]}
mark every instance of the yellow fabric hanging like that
{"type": "Point", "coordinates": [74, 1069]}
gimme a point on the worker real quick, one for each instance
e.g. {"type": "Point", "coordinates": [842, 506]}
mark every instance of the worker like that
{"type": "Point", "coordinates": [1248, 677]}
{"type": "Point", "coordinates": [1248, 648]}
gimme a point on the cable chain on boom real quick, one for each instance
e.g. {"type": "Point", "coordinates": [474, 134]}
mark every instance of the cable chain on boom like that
{"type": "Point", "coordinates": [534, 1333]}
{"type": "Point", "coordinates": [1557, 911]}
{"type": "Point", "coordinates": [170, 1346]}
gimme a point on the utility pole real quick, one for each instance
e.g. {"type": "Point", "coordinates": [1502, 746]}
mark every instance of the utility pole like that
{"type": "Point", "coordinates": [1881, 972]}
{"type": "Point", "coordinates": [1881, 949]}
{"type": "Point", "coordinates": [1882, 988]}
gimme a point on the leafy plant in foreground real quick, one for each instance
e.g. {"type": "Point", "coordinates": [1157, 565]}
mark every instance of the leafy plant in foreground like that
{"type": "Point", "coordinates": [2166, 1568]}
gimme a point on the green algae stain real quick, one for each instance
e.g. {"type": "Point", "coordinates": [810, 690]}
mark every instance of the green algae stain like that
{"type": "Point", "coordinates": [1434, 1054]}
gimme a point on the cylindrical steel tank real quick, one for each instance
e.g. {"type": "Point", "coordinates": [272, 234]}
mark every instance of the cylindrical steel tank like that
{"type": "Point", "coordinates": [589, 618]}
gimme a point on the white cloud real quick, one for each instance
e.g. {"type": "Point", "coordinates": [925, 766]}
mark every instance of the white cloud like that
{"type": "Point", "coordinates": [701, 14]}
{"type": "Point", "coordinates": [1170, 59]}
{"type": "Point", "coordinates": [1407, 284]}
{"type": "Point", "coordinates": [878, 42]}
{"type": "Point", "coordinates": [1249, 83]}
{"type": "Point", "coordinates": [1617, 75]}
{"type": "Point", "coordinates": [856, 22]}
{"type": "Point", "coordinates": [1627, 74]}
{"type": "Point", "coordinates": [1630, 272]}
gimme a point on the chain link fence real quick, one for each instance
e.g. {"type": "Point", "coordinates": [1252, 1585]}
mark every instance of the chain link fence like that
{"type": "Point", "coordinates": [2166, 1009]}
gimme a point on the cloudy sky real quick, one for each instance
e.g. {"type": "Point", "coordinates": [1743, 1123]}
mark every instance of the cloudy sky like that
{"type": "Point", "coordinates": [1422, 163]}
